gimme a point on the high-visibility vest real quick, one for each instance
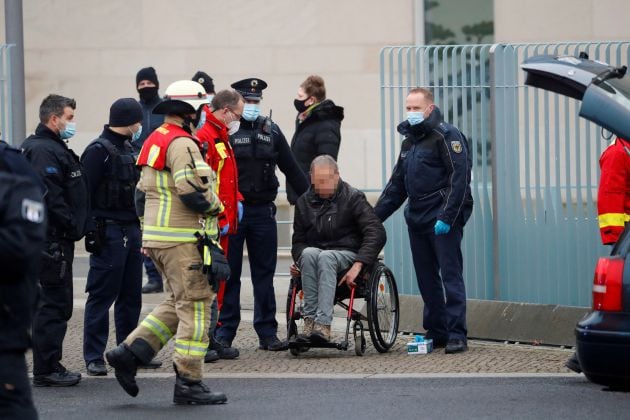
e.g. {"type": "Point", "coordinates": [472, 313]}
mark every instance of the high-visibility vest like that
{"type": "Point", "coordinates": [153, 152]}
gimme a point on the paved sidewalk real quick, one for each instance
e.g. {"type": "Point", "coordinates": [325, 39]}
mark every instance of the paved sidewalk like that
{"type": "Point", "coordinates": [482, 357]}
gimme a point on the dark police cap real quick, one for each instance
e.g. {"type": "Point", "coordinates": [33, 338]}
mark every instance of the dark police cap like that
{"type": "Point", "coordinates": [250, 88]}
{"type": "Point", "coordinates": [204, 80]}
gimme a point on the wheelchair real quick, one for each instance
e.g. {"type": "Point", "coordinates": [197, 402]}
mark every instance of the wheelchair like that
{"type": "Point", "coordinates": [377, 286]}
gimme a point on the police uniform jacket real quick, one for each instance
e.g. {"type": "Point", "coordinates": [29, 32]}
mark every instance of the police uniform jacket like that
{"type": "Point", "coordinates": [22, 234]}
{"type": "Point", "coordinates": [67, 200]}
{"type": "Point", "coordinates": [150, 121]}
{"type": "Point", "coordinates": [318, 134]}
{"type": "Point", "coordinates": [346, 221]}
{"type": "Point", "coordinates": [433, 171]}
{"type": "Point", "coordinates": [111, 179]}
{"type": "Point", "coordinates": [259, 146]}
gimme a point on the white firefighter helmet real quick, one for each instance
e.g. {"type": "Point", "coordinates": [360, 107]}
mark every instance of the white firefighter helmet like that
{"type": "Point", "coordinates": [182, 97]}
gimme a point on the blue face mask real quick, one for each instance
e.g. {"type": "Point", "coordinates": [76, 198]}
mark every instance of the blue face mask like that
{"type": "Point", "coordinates": [202, 120]}
{"type": "Point", "coordinates": [251, 112]}
{"type": "Point", "coordinates": [136, 136]}
{"type": "Point", "coordinates": [69, 131]}
{"type": "Point", "coordinates": [415, 118]}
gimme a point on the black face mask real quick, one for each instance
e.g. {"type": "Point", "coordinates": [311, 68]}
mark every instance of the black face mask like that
{"type": "Point", "coordinates": [148, 94]}
{"type": "Point", "coordinates": [300, 105]}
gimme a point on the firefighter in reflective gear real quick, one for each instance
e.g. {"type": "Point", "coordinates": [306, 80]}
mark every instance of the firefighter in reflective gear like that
{"type": "Point", "coordinates": [613, 195]}
{"type": "Point", "coordinates": [180, 204]}
{"type": "Point", "coordinates": [22, 236]}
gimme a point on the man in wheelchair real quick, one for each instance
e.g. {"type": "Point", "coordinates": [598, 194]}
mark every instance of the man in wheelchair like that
{"type": "Point", "coordinates": [334, 229]}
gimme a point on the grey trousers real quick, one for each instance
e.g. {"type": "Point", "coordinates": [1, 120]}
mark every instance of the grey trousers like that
{"type": "Point", "coordinates": [319, 270]}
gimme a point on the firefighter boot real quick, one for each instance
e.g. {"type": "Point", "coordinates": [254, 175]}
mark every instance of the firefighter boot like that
{"type": "Point", "coordinates": [194, 392]}
{"type": "Point", "coordinates": [125, 360]}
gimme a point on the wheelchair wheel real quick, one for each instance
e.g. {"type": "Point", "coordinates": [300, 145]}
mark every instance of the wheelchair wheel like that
{"type": "Point", "coordinates": [359, 339]}
{"type": "Point", "coordinates": [383, 309]}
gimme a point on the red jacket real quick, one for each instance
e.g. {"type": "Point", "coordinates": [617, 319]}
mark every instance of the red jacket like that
{"type": "Point", "coordinates": [613, 195]}
{"type": "Point", "coordinates": [220, 157]}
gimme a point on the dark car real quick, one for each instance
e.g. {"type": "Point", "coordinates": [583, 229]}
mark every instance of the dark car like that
{"type": "Point", "coordinates": [603, 336]}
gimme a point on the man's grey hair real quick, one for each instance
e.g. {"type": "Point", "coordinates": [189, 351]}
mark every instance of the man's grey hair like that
{"type": "Point", "coordinates": [325, 160]}
{"type": "Point", "coordinates": [226, 98]}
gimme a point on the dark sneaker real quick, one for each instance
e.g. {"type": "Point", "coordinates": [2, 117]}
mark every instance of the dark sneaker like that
{"type": "Point", "coordinates": [573, 364]}
{"type": "Point", "coordinates": [211, 356]}
{"type": "Point", "coordinates": [273, 343]}
{"type": "Point", "coordinates": [455, 346]}
{"type": "Point", "coordinates": [61, 377]}
{"type": "Point", "coordinates": [195, 392]}
{"type": "Point", "coordinates": [152, 287]}
{"type": "Point", "coordinates": [96, 368]}
{"type": "Point", "coordinates": [223, 349]}
{"type": "Point", "coordinates": [125, 367]}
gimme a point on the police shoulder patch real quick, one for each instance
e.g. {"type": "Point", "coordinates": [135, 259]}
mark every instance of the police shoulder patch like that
{"type": "Point", "coordinates": [51, 170]}
{"type": "Point", "coordinates": [456, 146]}
{"type": "Point", "coordinates": [33, 211]}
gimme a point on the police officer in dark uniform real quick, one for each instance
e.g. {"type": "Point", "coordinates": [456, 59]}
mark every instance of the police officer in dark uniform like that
{"type": "Point", "coordinates": [433, 171]}
{"type": "Point", "coordinates": [259, 146]}
{"type": "Point", "coordinates": [22, 235]}
{"type": "Point", "coordinates": [113, 237]}
{"type": "Point", "coordinates": [147, 85]}
{"type": "Point", "coordinates": [67, 204]}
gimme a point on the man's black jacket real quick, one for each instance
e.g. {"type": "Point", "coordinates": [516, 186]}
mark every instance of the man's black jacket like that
{"type": "Point", "coordinates": [344, 222]}
{"type": "Point", "coordinates": [67, 197]}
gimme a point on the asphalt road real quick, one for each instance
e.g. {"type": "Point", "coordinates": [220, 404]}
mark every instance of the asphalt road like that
{"type": "Point", "coordinates": [340, 398]}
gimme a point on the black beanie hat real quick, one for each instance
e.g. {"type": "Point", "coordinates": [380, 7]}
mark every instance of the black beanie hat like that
{"type": "Point", "coordinates": [204, 80]}
{"type": "Point", "coordinates": [147, 73]}
{"type": "Point", "coordinates": [125, 112]}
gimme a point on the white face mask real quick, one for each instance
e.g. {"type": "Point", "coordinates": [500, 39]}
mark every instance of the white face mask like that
{"type": "Point", "coordinates": [233, 127]}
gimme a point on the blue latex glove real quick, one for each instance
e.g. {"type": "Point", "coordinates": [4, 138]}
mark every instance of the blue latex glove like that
{"type": "Point", "coordinates": [441, 228]}
{"type": "Point", "coordinates": [239, 206]}
{"type": "Point", "coordinates": [224, 229]}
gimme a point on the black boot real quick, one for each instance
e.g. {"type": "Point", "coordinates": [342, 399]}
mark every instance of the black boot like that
{"type": "Point", "coordinates": [152, 287]}
{"type": "Point", "coordinates": [125, 367]}
{"type": "Point", "coordinates": [125, 361]}
{"type": "Point", "coordinates": [195, 392]}
{"type": "Point", "coordinates": [224, 350]}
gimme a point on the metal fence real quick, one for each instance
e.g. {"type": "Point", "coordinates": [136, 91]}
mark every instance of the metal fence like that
{"type": "Point", "coordinates": [533, 235]}
{"type": "Point", "coordinates": [5, 93]}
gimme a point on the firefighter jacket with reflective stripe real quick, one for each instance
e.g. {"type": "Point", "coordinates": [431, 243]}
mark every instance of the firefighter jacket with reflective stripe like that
{"type": "Point", "coordinates": [180, 198]}
{"type": "Point", "coordinates": [220, 156]}
{"type": "Point", "coordinates": [613, 196]}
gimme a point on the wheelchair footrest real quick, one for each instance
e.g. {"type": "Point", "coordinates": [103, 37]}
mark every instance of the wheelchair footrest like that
{"type": "Point", "coordinates": [319, 345]}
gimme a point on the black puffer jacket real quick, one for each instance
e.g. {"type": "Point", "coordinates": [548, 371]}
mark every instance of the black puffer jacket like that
{"type": "Point", "coordinates": [318, 134]}
{"type": "Point", "coordinates": [344, 222]}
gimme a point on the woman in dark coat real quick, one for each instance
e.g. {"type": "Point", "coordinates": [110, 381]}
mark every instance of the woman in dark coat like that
{"type": "Point", "coordinates": [317, 127]}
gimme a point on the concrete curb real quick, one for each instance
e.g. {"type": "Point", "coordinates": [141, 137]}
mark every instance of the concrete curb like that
{"type": "Point", "coordinates": [505, 321]}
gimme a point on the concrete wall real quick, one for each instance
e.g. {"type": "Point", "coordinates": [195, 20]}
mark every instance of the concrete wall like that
{"type": "Point", "coordinates": [561, 20]}
{"type": "Point", "coordinates": [91, 51]}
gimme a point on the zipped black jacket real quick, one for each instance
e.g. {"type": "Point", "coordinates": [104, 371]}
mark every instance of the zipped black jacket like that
{"type": "Point", "coordinates": [318, 134]}
{"type": "Point", "coordinates": [67, 198]}
{"type": "Point", "coordinates": [344, 222]}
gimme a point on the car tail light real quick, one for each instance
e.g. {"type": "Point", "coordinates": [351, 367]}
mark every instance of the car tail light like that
{"type": "Point", "coordinates": [608, 284]}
